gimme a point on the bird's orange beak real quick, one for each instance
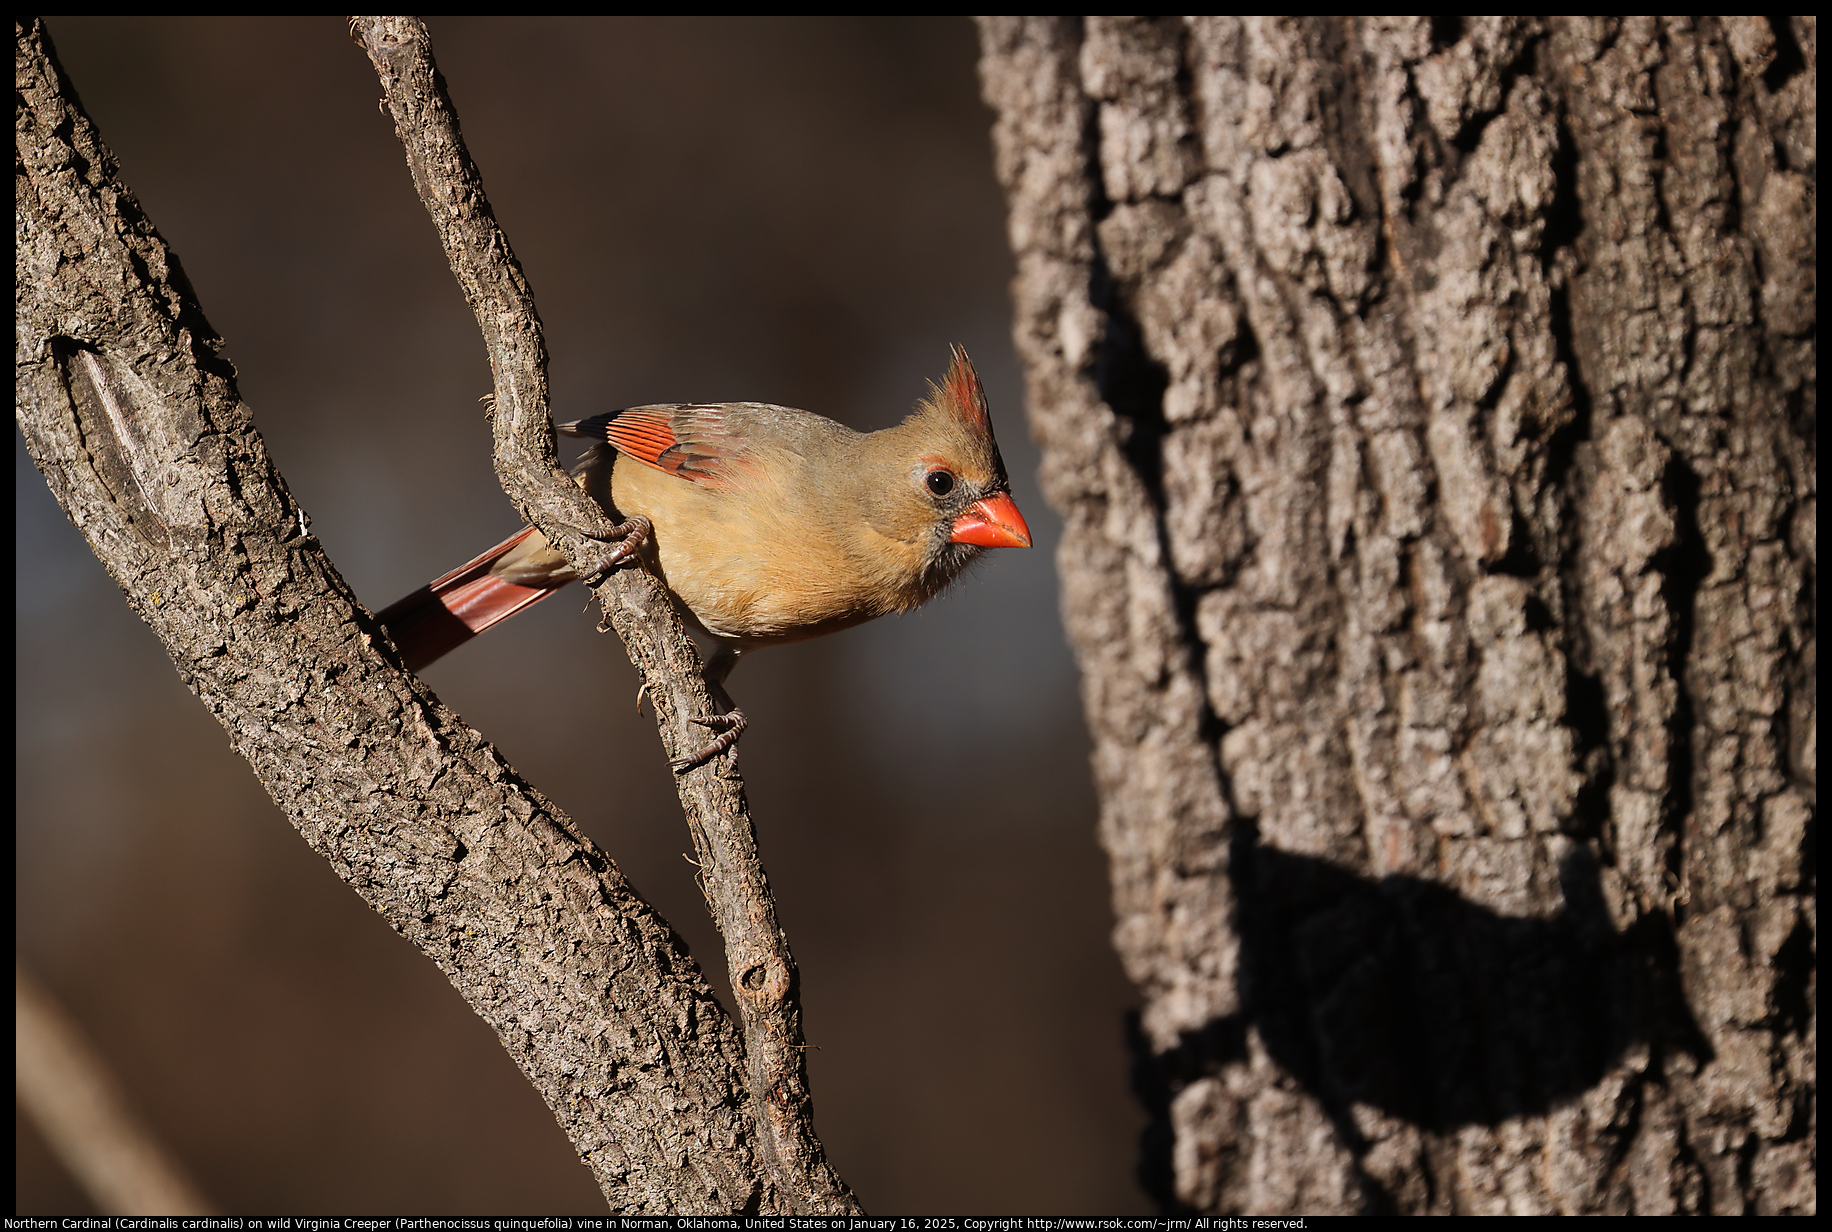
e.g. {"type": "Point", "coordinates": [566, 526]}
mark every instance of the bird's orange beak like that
{"type": "Point", "coordinates": [992, 523]}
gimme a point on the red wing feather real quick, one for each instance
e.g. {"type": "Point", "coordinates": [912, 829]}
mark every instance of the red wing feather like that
{"type": "Point", "coordinates": [646, 434]}
{"type": "Point", "coordinates": [687, 440]}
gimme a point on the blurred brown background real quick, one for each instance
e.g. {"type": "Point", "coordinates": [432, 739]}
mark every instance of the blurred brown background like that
{"type": "Point", "coordinates": [801, 212]}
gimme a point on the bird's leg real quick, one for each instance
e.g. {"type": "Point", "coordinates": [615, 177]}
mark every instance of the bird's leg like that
{"type": "Point", "coordinates": [730, 725]}
{"type": "Point", "coordinates": [624, 539]}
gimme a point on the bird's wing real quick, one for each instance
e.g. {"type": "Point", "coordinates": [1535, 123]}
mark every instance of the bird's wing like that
{"type": "Point", "coordinates": [698, 442]}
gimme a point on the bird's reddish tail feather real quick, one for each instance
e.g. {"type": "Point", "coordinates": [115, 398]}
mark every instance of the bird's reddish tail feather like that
{"type": "Point", "coordinates": [449, 611]}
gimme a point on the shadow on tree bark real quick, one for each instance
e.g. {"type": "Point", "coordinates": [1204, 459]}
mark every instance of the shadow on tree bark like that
{"type": "Point", "coordinates": [1405, 996]}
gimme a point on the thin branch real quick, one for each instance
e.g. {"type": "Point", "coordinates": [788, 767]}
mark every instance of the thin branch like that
{"type": "Point", "coordinates": [78, 1107]}
{"type": "Point", "coordinates": [143, 439]}
{"type": "Point", "coordinates": [763, 973]}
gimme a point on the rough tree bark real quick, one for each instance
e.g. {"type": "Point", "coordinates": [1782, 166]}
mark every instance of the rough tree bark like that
{"type": "Point", "coordinates": [136, 423]}
{"type": "Point", "coordinates": [1431, 404]}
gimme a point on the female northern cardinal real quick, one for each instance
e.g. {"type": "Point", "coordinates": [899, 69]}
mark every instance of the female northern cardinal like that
{"type": "Point", "coordinates": [767, 524]}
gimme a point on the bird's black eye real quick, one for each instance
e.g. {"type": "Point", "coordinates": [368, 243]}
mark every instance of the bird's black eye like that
{"type": "Point", "coordinates": [939, 482]}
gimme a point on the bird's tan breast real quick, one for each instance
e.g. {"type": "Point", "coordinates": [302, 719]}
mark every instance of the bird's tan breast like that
{"type": "Point", "coordinates": [774, 562]}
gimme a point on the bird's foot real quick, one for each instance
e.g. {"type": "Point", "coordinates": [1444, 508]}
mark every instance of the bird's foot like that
{"type": "Point", "coordinates": [623, 541]}
{"type": "Point", "coordinates": [729, 726]}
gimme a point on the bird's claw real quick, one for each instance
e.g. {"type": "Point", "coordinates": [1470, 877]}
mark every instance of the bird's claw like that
{"type": "Point", "coordinates": [626, 540]}
{"type": "Point", "coordinates": [729, 726]}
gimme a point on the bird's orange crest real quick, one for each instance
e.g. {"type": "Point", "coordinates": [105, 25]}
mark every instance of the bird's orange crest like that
{"type": "Point", "coordinates": [962, 386]}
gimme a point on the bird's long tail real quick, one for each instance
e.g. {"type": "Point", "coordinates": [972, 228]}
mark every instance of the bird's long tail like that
{"type": "Point", "coordinates": [449, 611]}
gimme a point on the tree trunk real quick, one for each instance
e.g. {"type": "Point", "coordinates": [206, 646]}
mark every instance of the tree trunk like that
{"type": "Point", "coordinates": [1431, 405]}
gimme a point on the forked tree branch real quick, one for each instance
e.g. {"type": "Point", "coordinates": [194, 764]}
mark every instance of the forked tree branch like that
{"type": "Point", "coordinates": [144, 440]}
{"type": "Point", "coordinates": [763, 974]}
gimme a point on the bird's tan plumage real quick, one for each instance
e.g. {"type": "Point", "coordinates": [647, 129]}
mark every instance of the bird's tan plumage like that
{"type": "Point", "coordinates": [768, 524]}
